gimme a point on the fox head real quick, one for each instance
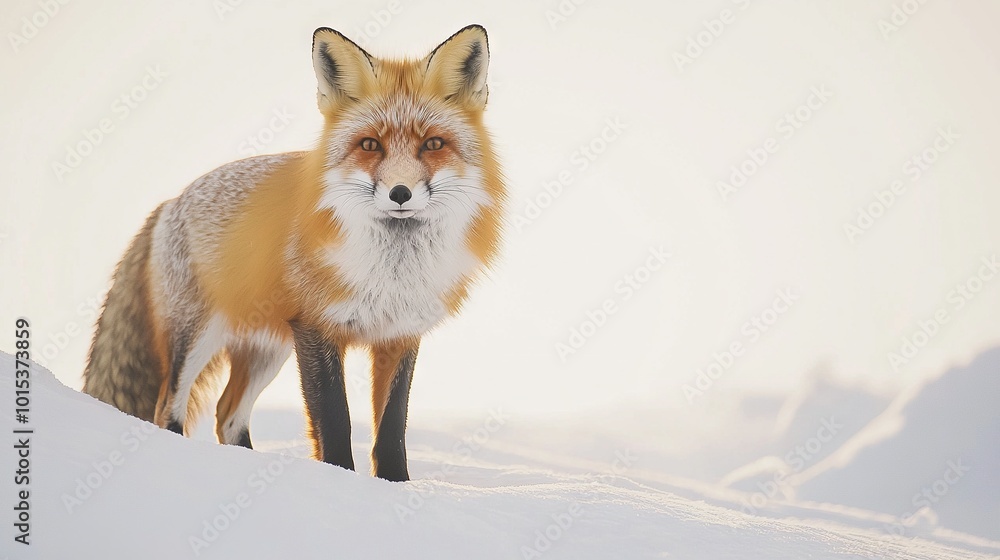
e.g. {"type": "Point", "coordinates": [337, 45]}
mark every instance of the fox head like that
{"type": "Point", "coordinates": [404, 140]}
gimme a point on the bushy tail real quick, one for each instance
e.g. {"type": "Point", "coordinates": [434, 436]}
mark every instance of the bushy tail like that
{"type": "Point", "coordinates": [126, 365]}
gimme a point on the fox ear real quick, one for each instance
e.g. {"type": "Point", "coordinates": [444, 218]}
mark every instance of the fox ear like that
{"type": "Point", "coordinates": [457, 67]}
{"type": "Point", "coordinates": [344, 70]}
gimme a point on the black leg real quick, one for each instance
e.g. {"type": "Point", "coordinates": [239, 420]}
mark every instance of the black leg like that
{"type": "Point", "coordinates": [179, 355]}
{"type": "Point", "coordinates": [389, 450]}
{"type": "Point", "coordinates": [244, 440]}
{"type": "Point", "coordinates": [175, 427]}
{"type": "Point", "coordinates": [325, 392]}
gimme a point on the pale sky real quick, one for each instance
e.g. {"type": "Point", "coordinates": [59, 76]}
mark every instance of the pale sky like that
{"type": "Point", "coordinates": [632, 130]}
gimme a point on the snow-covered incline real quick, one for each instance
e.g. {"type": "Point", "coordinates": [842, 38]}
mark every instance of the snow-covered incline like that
{"type": "Point", "coordinates": [105, 485]}
{"type": "Point", "coordinates": [941, 460]}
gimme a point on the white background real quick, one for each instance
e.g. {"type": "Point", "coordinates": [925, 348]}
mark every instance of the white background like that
{"type": "Point", "coordinates": [554, 85]}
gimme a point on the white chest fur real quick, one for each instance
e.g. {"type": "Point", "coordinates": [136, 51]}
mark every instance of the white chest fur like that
{"type": "Point", "coordinates": [399, 273]}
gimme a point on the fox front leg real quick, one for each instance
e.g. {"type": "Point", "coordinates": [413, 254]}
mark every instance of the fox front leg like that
{"type": "Point", "coordinates": [392, 372]}
{"type": "Point", "coordinates": [321, 368]}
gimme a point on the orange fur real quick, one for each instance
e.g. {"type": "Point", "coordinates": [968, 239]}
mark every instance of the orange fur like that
{"type": "Point", "coordinates": [385, 359]}
{"type": "Point", "coordinates": [267, 263]}
{"type": "Point", "coordinates": [239, 379]}
{"type": "Point", "coordinates": [281, 215]}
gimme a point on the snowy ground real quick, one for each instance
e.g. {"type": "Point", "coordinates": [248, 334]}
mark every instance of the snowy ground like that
{"type": "Point", "coordinates": [105, 485]}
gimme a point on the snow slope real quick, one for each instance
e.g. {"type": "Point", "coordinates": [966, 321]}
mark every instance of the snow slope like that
{"type": "Point", "coordinates": [942, 457]}
{"type": "Point", "coordinates": [105, 485]}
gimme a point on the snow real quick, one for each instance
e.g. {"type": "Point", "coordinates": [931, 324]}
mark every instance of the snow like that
{"type": "Point", "coordinates": [943, 443]}
{"type": "Point", "coordinates": [605, 432]}
{"type": "Point", "coordinates": [107, 485]}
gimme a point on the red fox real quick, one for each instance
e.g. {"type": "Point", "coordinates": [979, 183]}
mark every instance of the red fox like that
{"type": "Point", "coordinates": [369, 240]}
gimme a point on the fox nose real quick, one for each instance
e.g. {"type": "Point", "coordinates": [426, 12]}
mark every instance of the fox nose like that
{"type": "Point", "coordinates": [400, 194]}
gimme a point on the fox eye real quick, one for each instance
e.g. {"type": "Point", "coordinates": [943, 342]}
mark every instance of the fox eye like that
{"type": "Point", "coordinates": [370, 145]}
{"type": "Point", "coordinates": [435, 143]}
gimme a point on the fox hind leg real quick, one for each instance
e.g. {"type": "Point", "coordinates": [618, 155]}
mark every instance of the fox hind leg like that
{"type": "Point", "coordinates": [191, 352]}
{"type": "Point", "coordinates": [252, 368]}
